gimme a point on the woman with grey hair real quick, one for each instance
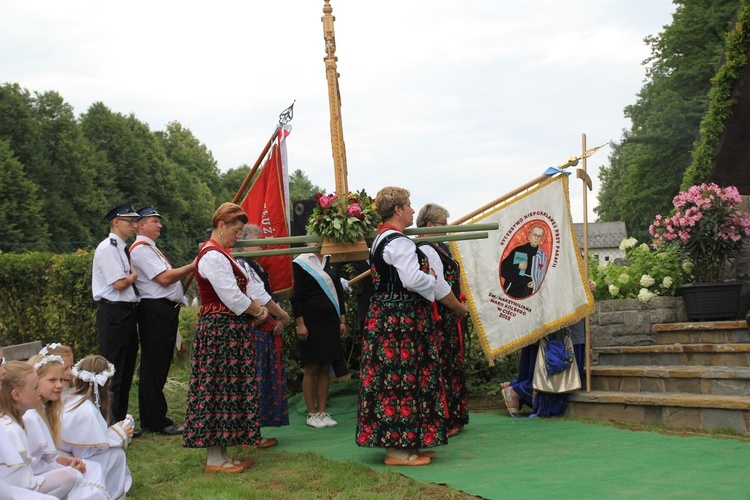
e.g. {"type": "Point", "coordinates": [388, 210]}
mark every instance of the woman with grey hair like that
{"type": "Point", "coordinates": [274, 409]}
{"type": "Point", "coordinates": [448, 329]}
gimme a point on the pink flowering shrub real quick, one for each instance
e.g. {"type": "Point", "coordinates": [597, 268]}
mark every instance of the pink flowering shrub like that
{"type": "Point", "coordinates": [343, 219]}
{"type": "Point", "coordinates": [707, 226]}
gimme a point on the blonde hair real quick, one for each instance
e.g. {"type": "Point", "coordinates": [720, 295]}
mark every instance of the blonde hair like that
{"type": "Point", "coordinates": [59, 349]}
{"type": "Point", "coordinates": [15, 379]}
{"type": "Point", "coordinates": [51, 411]}
{"type": "Point", "coordinates": [388, 199]}
{"type": "Point", "coordinates": [228, 213]}
{"type": "Point", "coordinates": [95, 364]}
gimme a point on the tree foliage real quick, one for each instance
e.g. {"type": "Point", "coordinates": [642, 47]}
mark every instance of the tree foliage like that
{"type": "Point", "coordinates": [302, 188]}
{"type": "Point", "coordinates": [722, 99]}
{"type": "Point", "coordinates": [647, 165]}
{"type": "Point", "coordinates": [61, 174]}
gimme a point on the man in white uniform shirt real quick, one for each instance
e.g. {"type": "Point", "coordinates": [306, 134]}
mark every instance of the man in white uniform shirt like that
{"type": "Point", "coordinates": [158, 318]}
{"type": "Point", "coordinates": [113, 287]}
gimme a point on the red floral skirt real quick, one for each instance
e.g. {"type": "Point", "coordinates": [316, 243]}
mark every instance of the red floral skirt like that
{"type": "Point", "coordinates": [401, 399]}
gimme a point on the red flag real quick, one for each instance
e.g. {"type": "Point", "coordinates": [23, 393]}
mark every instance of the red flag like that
{"type": "Point", "coordinates": [266, 205]}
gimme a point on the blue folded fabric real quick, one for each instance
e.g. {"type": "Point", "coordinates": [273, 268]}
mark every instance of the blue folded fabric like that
{"type": "Point", "coordinates": [558, 359]}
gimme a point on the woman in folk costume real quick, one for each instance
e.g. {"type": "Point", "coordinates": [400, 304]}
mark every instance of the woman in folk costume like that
{"type": "Point", "coordinates": [17, 395]}
{"type": "Point", "coordinates": [44, 429]}
{"type": "Point", "coordinates": [320, 322]}
{"type": "Point", "coordinates": [448, 327]}
{"type": "Point", "coordinates": [85, 433]}
{"type": "Point", "coordinates": [274, 408]}
{"type": "Point", "coordinates": [222, 405]}
{"type": "Point", "coordinates": [11, 461]}
{"type": "Point", "coordinates": [400, 396]}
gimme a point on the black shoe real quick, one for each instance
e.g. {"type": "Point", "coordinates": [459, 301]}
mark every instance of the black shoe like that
{"type": "Point", "coordinates": [171, 430]}
{"type": "Point", "coordinates": [137, 434]}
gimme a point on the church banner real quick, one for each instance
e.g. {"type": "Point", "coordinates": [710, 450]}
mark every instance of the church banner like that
{"type": "Point", "coordinates": [527, 279]}
{"type": "Point", "coordinates": [266, 205]}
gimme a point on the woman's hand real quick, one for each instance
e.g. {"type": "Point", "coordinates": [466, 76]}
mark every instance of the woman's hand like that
{"type": "Point", "coordinates": [342, 330]}
{"type": "Point", "coordinates": [262, 317]}
{"type": "Point", "coordinates": [278, 328]}
{"type": "Point", "coordinates": [461, 311]}
{"type": "Point", "coordinates": [302, 332]}
{"type": "Point", "coordinates": [282, 321]}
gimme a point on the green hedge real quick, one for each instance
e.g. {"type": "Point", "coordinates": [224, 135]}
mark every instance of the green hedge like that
{"type": "Point", "coordinates": [47, 297]}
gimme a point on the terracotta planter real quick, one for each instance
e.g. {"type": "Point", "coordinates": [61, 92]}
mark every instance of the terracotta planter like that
{"type": "Point", "coordinates": [712, 301]}
{"type": "Point", "coordinates": [345, 252]}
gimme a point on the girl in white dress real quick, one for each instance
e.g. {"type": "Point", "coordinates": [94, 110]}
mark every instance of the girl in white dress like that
{"type": "Point", "coordinates": [44, 428]}
{"type": "Point", "coordinates": [18, 394]}
{"type": "Point", "coordinates": [10, 460]}
{"type": "Point", "coordinates": [66, 353]}
{"type": "Point", "coordinates": [84, 431]}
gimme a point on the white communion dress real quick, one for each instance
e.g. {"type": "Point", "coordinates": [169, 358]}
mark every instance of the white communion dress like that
{"type": "Point", "coordinates": [44, 458]}
{"type": "Point", "coordinates": [85, 434]}
{"type": "Point", "coordinates": [57, 483]}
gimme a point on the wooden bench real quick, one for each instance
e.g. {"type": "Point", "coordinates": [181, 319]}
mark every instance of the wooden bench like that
{"type": "Point", "coordinates": [22, 352]}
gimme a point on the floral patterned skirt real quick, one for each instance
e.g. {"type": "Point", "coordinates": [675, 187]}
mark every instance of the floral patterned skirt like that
{"type": "Point", "coordinates": [401, 399]}
{"type": "Point", "coordinates": [453, 369]}
{"type": "Point", "coordinates": [222, 404]}
{"type": "Point", "coordinates": [274, 408]}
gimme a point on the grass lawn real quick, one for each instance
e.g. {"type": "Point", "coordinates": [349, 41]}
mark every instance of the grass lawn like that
{"type": "Point", "coordinates": [163, 469]}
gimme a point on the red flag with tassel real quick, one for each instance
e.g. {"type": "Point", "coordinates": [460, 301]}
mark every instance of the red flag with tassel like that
{"type": "Point", "coordinates": [266, 205]}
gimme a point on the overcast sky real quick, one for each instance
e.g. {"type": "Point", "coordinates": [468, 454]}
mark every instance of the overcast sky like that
{"type": "Point", "coordinates": [458, 101]}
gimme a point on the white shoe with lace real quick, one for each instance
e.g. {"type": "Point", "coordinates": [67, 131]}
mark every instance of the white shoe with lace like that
{"type": "Point", "coordinates": [314, 420]}
{"type": "Point", "coordinates": [327, 420]}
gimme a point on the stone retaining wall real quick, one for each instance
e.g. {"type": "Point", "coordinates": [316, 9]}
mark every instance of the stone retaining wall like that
{"type": "Point", "coordinates": [629, 321]}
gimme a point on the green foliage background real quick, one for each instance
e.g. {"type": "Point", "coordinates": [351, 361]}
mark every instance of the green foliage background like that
{"type": "Point", "coordinates": [648, 163]}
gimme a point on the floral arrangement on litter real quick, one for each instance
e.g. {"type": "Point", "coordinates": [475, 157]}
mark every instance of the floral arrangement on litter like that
{"type": "Point", "coordinates": [707, 226]}
{"type": "Point", "coordinates": [344, 219]}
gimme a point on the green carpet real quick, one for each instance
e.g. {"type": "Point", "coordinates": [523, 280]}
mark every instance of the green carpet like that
{"type": "Point", "coordinates": [502, 457]}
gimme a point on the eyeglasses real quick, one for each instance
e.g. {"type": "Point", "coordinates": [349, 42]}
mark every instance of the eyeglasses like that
{"type": "Point", "coordinates": [238, 232]}
{"type": "Point", "coordinates": [129, 220]}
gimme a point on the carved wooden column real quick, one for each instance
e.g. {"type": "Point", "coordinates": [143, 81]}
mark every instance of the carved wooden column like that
{"type": "Point", "coordinates": [334, 102]}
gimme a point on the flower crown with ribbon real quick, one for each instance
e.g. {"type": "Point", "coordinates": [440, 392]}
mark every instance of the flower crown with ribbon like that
{"type": "Point", "coordinates": [48, 359]}
{"type": "Point", "coordinates": [94, 379]}
{"type": "Point", "coordinates": [49, 347]}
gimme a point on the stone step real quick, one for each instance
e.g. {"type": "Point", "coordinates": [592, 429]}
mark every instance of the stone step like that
{"type": "Point", "coordinates": [730, 354]}
{"type": "Point", "coordinates": [715, 380]}
{"type": "Point", "coordinates": [702, 332]}
{"type": "Point", "coordinates": [676, 410]}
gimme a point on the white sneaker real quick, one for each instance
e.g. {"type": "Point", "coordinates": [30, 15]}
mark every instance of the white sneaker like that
{"type": "Point", "coordinates": [314, 420]}
{"type": "Point", "coordinates": [327, 420]}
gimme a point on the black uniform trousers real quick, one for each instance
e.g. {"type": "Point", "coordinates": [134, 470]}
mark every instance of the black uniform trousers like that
{"type": "Point", "coordinates": [158, 320]}
{"type": "Point", "coordinates": [117, 335]}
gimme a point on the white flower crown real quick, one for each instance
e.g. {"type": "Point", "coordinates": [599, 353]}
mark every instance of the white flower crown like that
{"type": "Point", "coordinates": [87, 376]}
{"type": "Point", "coordinates": [48, 359]}
{"type": "Point", "coordinates": [94, 379]}
{"type": "Point", "coordinates": [46, 349]}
